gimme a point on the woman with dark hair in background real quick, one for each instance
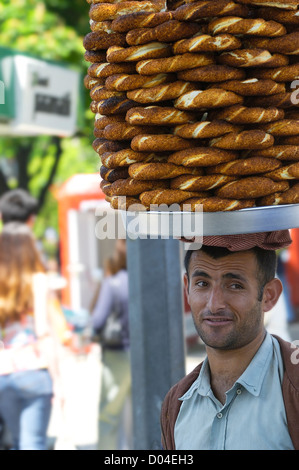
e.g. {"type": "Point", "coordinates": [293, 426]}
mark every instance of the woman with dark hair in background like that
{"type": "Point", "coordinates": [28, 357]}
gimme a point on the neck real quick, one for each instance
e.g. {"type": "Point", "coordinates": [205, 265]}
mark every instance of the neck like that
{"type": "Point", "coordinates": [226, 366]}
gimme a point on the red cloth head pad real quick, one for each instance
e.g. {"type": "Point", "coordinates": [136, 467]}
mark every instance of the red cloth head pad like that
{"type": "Point", "coordinates": [266, 240]}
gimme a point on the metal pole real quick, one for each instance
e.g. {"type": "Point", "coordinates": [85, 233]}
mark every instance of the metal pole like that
{"type": "Point", "coordinates": [156, 329]}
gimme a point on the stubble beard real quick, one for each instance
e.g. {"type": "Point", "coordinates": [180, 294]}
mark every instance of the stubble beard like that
{"type": "Point", "coordinates": [238, 335]}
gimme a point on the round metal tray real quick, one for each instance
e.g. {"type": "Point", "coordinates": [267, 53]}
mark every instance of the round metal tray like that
{"type": "Point", "coordinates": [154, 224]}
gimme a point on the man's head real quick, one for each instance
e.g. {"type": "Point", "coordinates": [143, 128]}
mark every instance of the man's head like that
{"type": "Point", "coordinates": [17, 205]}
{"type": "Point", "coordinates": [266, 262]}
{"type": "Point", "coordinates": [228, 293]}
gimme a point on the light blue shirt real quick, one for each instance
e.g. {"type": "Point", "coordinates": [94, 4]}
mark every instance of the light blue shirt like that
{"type": "Point", "coordinates": [253, 416]}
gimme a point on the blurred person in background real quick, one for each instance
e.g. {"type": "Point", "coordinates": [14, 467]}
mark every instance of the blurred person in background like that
{"type": "Point", "coordinates": [17, 205]}
{"type": "Point", "coordinates": [115, 420]}
{"type": "Point", "coordinates": [29, 370]}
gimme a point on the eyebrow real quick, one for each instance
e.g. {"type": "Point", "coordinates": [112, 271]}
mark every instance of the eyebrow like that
{"type": "Point", "coordinates": [198, 273]}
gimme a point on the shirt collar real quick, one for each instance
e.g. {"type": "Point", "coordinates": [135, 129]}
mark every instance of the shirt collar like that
{"type": "Point", "coordinates": [251, 379]}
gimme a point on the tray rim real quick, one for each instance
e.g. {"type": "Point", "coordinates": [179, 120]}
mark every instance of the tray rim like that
{"type": "Point", "coordinates": [249, 220]}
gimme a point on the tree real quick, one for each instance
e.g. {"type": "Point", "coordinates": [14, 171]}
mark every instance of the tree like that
{"type": "Point", "coordinates": [53, 30]}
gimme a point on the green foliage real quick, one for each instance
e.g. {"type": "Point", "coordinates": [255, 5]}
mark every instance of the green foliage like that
{"type": "Point", "coordinates": [50, 30]}
{"type": "Point", "coordinates": [39, 28]}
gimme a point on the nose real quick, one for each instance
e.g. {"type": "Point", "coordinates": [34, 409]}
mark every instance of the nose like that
{"type": "Point", "coordinates": [216, 299]}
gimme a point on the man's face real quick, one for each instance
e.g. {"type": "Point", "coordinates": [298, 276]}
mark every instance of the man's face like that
{"type": "Point", "coordinates": [223, 296]}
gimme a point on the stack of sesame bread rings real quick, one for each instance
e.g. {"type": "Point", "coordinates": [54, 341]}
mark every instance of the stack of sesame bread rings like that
{"type": "Point", "coordinates": [196, 102]}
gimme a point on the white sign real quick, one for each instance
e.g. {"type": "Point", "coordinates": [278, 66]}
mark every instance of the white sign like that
{"type": "Point", "coordinates": [46, 98]}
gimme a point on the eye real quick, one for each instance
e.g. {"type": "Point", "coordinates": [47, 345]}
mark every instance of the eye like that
{"type": "Point", "coordinates": [236, 286]}
{"type": "Point", "coordinates": [201, 283]}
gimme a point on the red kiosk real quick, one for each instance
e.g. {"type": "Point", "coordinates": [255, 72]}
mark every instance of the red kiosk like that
{"type": "Point", "coordinates": [81, 253]}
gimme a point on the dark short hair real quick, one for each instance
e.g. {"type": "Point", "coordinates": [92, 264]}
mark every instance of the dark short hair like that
{"type": "Point", "coordinates": [266, 260]}
{"type": "Point", "coordinates": [17, 205]}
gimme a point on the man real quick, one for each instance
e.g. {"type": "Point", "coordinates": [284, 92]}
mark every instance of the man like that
{"type": "Point", "coordinates": [245, 395]}
{"type": "Point", "coordinates": [17, 205]}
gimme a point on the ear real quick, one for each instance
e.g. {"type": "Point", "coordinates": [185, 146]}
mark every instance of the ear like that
{"type": "Point", "coordinates": [31, 220]}
{"type": "Point", "coordinates": [271, 294]}
{"type": "Point", "coordinates": [186, 286]}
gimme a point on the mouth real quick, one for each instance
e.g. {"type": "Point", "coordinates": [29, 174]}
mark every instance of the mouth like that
{"type": "Point", "coordinates": [217, 321]}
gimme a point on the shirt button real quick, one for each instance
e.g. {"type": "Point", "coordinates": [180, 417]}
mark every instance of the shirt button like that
{"type": "Point", "coordinates": [219, 415]}
{"type": "Point", "coordinates": [239, 391]}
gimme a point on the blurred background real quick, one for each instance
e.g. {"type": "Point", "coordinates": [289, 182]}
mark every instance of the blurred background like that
{"type": "Point", "coordinates": [50, 30]}
{"type": "Point", "coordinates": [46, 135]}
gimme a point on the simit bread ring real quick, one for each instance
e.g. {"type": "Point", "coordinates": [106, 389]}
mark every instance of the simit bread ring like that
{"type": "Point", "coordinates": [251, 187]}
{"type": "Point", "coordinates": [245, 166]}
{"type": "Point", "coordinates": [124, 131]}
{"type": "Point", "coordinates": [252, 139]}
{"type": "Point", "coordinates": [174, 64]}
{"type": "Point", "coordinates": [105, 187]}
{"type": "Point", "coordinates": [101, 26]}
{"type": "Point", "coordinates": [101, 121]}
{"type": "Point", "coordinates": [133, 21]}
{"type": "Point", "coordinates": [252, 87]}
{"type": "Point", "coordinates": [206, 43]}
{"type": "Point", "coordinates": [112, 175]}
{"type": "Point", "coordinates": [201, 156]}
{"type": "Point", "coordinates": [105, 70]}
{"type": "Point", "coordinates": [101, 40]}
{"type": "Point", "coordinates": [158, 115]}
{"type": "Point", "coordinates": [167, 196]}
{"type": "Point", "coordinates": [103, 145]}
{"type": "Point", "coordinates": [291, 140]}
{"type": "Point", "coordinates": [159, 171]}
{"type": "Point", "coordinates": [98, 133]}
{"type": "Point", "coordinates": [280, 100]}
{"type": "Point", "coordinates": [288, 172]}
{"type": "Point", "coordinates": [215, 204]}
{"type": "Point", "coordinates": [285, 4]}
{"type": "Point", "coordinates": [290, 196]}
{"type": "Point", "coordinates": [99, 92]}
{"type": "Point", "coordinates": [163, 92]}
{"type": "Point", "coordinates": [292, 113]}
{"type": "Point", "coordinates": [169, 31]}
{"type": "Point", "coordinates": [110, 11]}
{"type": "Point", "coordinates": [204, 130]}
{"type": "Point", "coordinates": [90, 82]}
{"type": "Point", "coordinates": [236, 25]}
{"type": "Point", "coordinates": [199, 183]}
{"type": "Point", "coordinates": [210, 8]}
{"type": "Point", "coordinates": [211, 98]}
{"type": "Point", "coordinates": [95, 56]}
{"type": "Point", "coordinates": [285, 17]}
{"type": "Point", "coordinates": [124, 203]}
{"type": "Point", "coordinates": [126, 157]}
{"type": "Point", "coordinates": [159, 143]}
{"type": "Point", "coordinates": [131, 187]}
{"type": "Point", "coordinates": [114, 105]}
{"type": "Point", "coordinates": [282, 127]}
{"type": "Point", "coordinates": [238, 114]}
{"type": "Point", "coordinates": [252, 58]}
{"type": "Point", "coordinates": [152, 50]}
{"type": "Point", "coordinates": [124, 82]}
{"type": "Point", "coordinates": [288, 44]}
{"type": "Point", "coordinates": [287, 73]}
{"type": "Point", "coordinates": [281, 152]}
{"type": "Point", "coordinates": [158, 3]}
{"type": "Point", "coordinates": [212, 73]}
